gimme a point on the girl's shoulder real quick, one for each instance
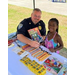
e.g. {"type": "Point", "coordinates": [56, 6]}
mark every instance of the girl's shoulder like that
{"type": "Point", "coordinates": [58, 36]}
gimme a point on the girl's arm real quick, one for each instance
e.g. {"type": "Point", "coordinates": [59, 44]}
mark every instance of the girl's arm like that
{"type": "Point", "coordinates": [60, 42]}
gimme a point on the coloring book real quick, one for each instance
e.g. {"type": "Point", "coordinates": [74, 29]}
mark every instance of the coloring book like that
{"type": "Point", "coordinates": [35, 34]}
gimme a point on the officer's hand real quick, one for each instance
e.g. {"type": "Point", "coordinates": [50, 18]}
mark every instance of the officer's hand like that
{"type": "Point", "coordinates": [34, 44]}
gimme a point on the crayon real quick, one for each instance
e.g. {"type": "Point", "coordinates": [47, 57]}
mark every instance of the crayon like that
{"type": "Point", "coordinates": [23, 47]}
{"type": "Point", "coordinates": [44, 57]}
{"type": "Point", "coordinates": [41, 55]}
{"type": "Point", "coordinates": [38, 53]}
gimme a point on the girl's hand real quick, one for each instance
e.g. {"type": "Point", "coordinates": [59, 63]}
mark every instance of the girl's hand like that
{"type": "Point", "coordinates": [42, 43]}
{"type": "Point", "coordinates": [52, 49]}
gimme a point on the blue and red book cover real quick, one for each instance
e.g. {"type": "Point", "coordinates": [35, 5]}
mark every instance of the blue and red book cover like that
{"type": "Point", "coordinates": [35, 34]}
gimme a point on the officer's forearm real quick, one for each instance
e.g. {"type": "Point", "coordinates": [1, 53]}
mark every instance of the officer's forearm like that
{"type": "Point", "coordinates": [23, 39]}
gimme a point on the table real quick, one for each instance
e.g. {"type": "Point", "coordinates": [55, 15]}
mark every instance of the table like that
{"type": "Point", "coordinates": [15, 67]}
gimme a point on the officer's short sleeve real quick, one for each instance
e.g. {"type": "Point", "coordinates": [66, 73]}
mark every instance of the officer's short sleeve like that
{"type": "Point", "coordinates": [21, 29]}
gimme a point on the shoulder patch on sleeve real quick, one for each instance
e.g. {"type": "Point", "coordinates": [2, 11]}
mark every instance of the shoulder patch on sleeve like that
{"type": "Point", "coordinates": [20, 26]}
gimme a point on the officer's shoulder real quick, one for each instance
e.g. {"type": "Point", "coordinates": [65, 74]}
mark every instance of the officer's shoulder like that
{"type": "Point", "coordinates": [25, 20]}
{"type": "Point", "coordinates": [42, 22]}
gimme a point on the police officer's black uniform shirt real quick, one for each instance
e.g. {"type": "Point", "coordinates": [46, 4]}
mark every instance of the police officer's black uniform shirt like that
{"type": "Point", "coordinates": [27, 24]}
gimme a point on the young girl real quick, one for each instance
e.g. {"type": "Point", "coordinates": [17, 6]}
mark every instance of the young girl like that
{"type": "Point", "coordinates": [53, 40]}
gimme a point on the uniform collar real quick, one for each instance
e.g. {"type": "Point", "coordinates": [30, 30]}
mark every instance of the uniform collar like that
{"type": "Point", "coordinates": [30, 22]}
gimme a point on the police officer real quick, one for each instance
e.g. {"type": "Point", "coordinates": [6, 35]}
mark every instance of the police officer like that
{"type": "Point", "coordinates": [29, 23]}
